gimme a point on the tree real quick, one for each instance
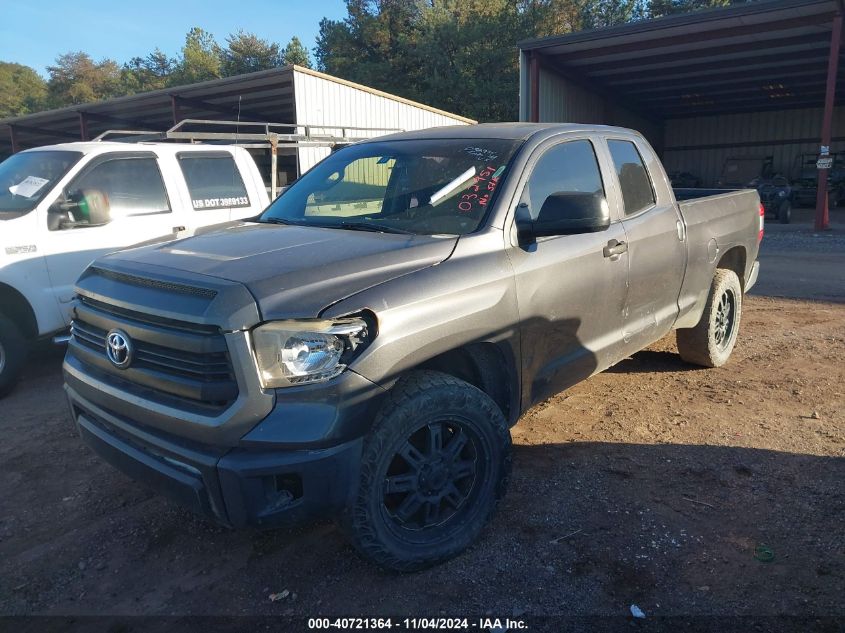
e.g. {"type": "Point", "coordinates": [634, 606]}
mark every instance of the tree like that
{"type": "Point", "coordinates": [246, 53]}
{"type": "Point", "coordinates": [458, 62]}
{"type": "Point", "coordinates": [371, 44]}
{"type": "Point", "coordinates": [447, 53]}
{"type": "Point", "coordinates": [22, 90]}
{"type": "Point", "coordinates": [296, 53]}
{"type": "Point", "coordinates": [602, 13]}
{"type": "Point", "coordinates": [200, 59]}
{"type": "Point", "coordinates": [152, 72]}
{"type": "Point", "coordinates": [76, 78]}
{"type": "Point", "coordinates": [659, 8]}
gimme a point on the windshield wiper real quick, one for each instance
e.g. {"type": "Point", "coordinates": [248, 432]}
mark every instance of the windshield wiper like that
{"type": "Point", "coordinates": [352, 226]}
{"type": "Point", "coordinates": [368, 226]}
{"type": "Point", "coordinates": [279, 221]}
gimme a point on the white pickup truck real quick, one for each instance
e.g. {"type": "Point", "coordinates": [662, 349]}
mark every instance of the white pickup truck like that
{"type": "Point", "coordinates": [62, 206]}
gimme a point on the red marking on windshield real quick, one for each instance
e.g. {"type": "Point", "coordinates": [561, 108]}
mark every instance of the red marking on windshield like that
{"type": "Point", "coordinates": [478, 195]}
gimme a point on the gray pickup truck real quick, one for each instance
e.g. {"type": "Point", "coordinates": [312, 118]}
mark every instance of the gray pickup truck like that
{"type": "Point", "coordinates": [361, 348]}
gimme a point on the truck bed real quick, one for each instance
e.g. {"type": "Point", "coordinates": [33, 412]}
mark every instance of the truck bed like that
{"type": "Point", "coordinates": [717, 221]}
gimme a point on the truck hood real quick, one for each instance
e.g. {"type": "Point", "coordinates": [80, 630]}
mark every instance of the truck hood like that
{"type": "Point", "coordinates": [296, 271]}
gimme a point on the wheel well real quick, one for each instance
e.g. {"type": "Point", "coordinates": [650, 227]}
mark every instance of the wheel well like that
{"type": "Point", "coordinates": [15, 306]}
{"type": "Point", "coordinates": [483, 365]}
{"type": "Point", "coordinates": [734, 259]}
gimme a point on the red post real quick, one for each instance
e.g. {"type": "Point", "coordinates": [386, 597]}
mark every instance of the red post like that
{"type": "Point", "coordinates": [822, 213]}
{"type": "Point", "coordinates": [534, 84]}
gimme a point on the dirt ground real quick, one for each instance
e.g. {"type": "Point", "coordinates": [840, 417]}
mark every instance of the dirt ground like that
{"type": "Point", "coordinates": [653, 484]}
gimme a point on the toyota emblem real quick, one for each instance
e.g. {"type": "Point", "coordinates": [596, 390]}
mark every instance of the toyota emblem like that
{"type": "Point", "coordinates": [119, 348]}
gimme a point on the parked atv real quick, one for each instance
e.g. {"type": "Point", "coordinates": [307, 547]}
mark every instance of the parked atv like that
{"type": "Point", "coordinates": [806, 180]}
{"type": "Point", "coordinates": [776, 195]}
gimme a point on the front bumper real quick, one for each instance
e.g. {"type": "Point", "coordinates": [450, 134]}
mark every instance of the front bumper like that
{"type": "Point", "coordinates": [298, 463]}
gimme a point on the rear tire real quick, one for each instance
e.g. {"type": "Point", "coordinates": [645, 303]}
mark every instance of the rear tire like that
{"type": "Point", "coordinates": [13, 352]}
{"type": "Point", "coordinates": [711, 342]}
{"type": "Point", "coordinates": [433, 470]}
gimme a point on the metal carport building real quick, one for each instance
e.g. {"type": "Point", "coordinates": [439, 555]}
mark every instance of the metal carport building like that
{"type": "Point", "coordinates": [291, 95]}
{"type": "Point", "coordinates": [760, 78]}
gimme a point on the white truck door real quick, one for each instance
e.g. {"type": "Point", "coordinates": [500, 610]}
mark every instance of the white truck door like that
{"type": "Point", "coordinates": [116, 201]}
{"type": "Point", "coordinates": [215, 186]}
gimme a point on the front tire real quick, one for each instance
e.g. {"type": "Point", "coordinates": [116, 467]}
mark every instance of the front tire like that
{"type": "Point", "coordinates": [433, 469]}
{"type": "Point", "coordinates": [13, 353]}
{"type": "Point", "coordinates": [711, 342]}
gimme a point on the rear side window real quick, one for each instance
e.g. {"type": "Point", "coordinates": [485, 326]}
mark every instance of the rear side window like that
{"type": "Point", "coordinates": [566, 167]}
{"type": "Point", "coordinates": [637, 192]}
{"type": "Point", "coordinates": [213, 180]}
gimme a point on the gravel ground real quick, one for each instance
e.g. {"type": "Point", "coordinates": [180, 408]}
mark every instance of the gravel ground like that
{"type": "Point", "coordinates": [653, 483]}
{"type": "Point", "coordinates": [798, 262]}
{"type": "Point", "coordinates": [779, 241]}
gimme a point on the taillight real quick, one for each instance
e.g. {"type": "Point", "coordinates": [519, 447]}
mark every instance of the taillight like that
{"type": "Point", "coordinates": [762, 220]}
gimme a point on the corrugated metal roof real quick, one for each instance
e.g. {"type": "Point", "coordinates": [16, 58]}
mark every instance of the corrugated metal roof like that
{"type": "Point", "coordinates": [266, 95]}
{"type": "Point", "coordinates": [763, 55]}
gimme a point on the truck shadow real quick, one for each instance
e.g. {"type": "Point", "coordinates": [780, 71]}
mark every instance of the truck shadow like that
{"type": "Point", "coordinates": [44, 361]}
{"type": "Point", "coordinates": [649, 361]}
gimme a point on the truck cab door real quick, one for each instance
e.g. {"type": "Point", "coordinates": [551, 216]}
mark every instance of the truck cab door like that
{"type": "Point", "coordinates": [570, 288]}
{"type": "Point", "coordinates": [655, 234]}
{"type": "Point", "coordinates": [116, 201]}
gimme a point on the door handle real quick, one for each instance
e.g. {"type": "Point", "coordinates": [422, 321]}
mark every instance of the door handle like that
{"type": "Point", "coordinates": [614, 249]}
{"type": "Point", "coordinates": [177, 229]}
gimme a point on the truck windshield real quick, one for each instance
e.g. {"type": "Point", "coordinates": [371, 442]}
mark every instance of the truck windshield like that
{"type": "Point", "coordinates": [426, 187]}
{"type": "Point", "coordinates": [27, 177]}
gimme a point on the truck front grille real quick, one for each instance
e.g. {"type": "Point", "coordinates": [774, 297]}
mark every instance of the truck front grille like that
{"type": "Point", "coordinates": [172, 361]}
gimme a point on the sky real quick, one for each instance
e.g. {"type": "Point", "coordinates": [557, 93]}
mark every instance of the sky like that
{"type": "Point", "coordinates": [35, 32]}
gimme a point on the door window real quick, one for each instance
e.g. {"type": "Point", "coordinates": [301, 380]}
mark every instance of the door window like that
{"type": "Point", "coordinates": [567, 167]}
{"type": "Point", "coordinates": [214, 181]}
{"type": "Point", "coordinates": [111, 190]}
{"type": "Point", "coordinates": [637, 192]}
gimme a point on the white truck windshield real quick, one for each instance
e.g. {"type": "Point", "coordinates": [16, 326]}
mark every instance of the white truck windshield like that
{"type": "Point", "coordinates": [27, 177]}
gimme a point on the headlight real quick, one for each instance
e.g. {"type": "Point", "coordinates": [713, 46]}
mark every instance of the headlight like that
{"type": "Point", "coordinates": [300, 352]}
{"type": "Point", "coordinates": [782, 194]}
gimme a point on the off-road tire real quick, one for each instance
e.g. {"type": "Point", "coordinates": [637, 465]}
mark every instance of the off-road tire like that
{"type": "Point", "coordinates": [419, 403]}
{"type": "Point", "coordinates": [711, 342]}
{"type": "Point", "coordinates": [785, 212]}
{"type": "Point", "coordinates": [13, 351]}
